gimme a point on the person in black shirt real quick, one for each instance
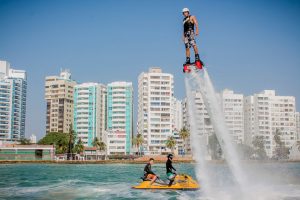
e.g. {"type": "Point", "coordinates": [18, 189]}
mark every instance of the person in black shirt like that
{"type": "Point", "coordinates": [189, 25]}
{"type": "Point", "coordinates": [170, 169]}
{"type": "Point", "coordinates": [148, 173]}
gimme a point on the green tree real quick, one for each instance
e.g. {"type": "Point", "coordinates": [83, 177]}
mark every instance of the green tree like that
{"type": "Point", "coordinates": [281, 151]}
{"type": "Point", "coordinates": [79, 146]}
{"type": "Point", "coordinates": [96, 142]}
{"type": "Point", "coordinates": [71, 142]}
{"type": "Point", "coordinates": [60, 140]}
{"type": "Point", "coordinates": [171, 143]}
{"type": "Point", "coordinates": [277, 137]}
{"type": "Point", "coordinates": [184, 134]}
{"type": "Point", "coordinates": [138, 141]}
{"type": "Point", "coordinates": [102, 146]}
{"type": "Point", "coordinates": [99, 144]}
{"type": "Point", "coordinates": [259, 147]}
{"type": "Point", "coordinates": [24, 141]}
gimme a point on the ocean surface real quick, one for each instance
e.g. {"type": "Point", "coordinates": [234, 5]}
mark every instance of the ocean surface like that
{"type": "Point", "coordinates": [114, 181]}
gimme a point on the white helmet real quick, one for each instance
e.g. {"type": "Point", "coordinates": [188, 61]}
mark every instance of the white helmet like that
{"type": "Point", "coordinates": [185, 10]}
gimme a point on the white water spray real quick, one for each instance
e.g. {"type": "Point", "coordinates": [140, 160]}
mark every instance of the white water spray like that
{"type": "Point", "coordinates": [203, 84]}
{"type": "Point", "coordinates": [198, 143]}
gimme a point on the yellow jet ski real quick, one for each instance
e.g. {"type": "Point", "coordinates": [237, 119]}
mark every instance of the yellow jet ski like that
{"type": "Point", "coordinates": [181, 182]}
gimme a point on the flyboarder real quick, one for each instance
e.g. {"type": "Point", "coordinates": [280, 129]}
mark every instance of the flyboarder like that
{"type": "Point", "coordinates": [189, 33]}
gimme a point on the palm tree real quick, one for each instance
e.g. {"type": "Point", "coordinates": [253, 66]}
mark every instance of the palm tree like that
{"type": "Point", "coordinates": [61, 147]}
{"type": "Point", "coordinates": [79, 146]}
{"type": "Point", "coordinates": [138, 141]}
{"type": "Point", "coordinates": [184, 134]}
{"type": "Point", "coordinates": [281, 150]}
{"type": "Point", "coordinates": [96, 142]}
{"type": "Point", "coordinates": [71, 142]}
{"type": "Point", "coordinates": [24, 141]}
{"type": "Point", "coordinates": [170, 143]}
{"type": "Point", "coordinates": [99, 144]}
{"type": "Point", "coordinates": [277, 138]}
{"type": "Point", "coordinates": [102, 146]}
{"type": "Point", "coordinates": [258, 144]}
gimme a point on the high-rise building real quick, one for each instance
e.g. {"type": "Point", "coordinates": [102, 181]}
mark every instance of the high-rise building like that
{"type": "Point", "coordinates": [186, 124]}
{"type": "Point", "coordinates": [89, 111]}
{"type": "Point", "coordinates": [232, 105]}
{"type": "Point", "coordinates": [233, 108]}
{"type": "Point", "coordinates": [297, 115]}
{"type": "Point", "coordinates": [155, 95]}
{"type": "Point", "coordinates": [115, 142]}
{"type": "Point", "coordinates": [59, 95]}
{"type": "Point", "coordinates": [120, 113]}
{"type": "Point", "coordinates": [177, 125]}
{"type": "Point", "coordinates": [185, 113]}
{"type": "Point", "coordinates": [266, 114]}
{"type": "Point", "coordinates": [32, 139]}
{"type": "Point", "coordinates": [249, 122]}
{"type": "Point", "coordinates": [177, 114]}
{"type": "Point", "coordinates": [13, 86]}
{"type": "Point", "coordinates": [201, 117]}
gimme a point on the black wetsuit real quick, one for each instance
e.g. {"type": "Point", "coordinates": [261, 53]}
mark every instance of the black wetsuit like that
{"type": "Point", "coordinates": [147, 170]}
{"type": "Point", "coordinates": [169, 166]}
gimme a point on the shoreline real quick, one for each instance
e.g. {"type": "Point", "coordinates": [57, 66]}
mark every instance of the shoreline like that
{"type": "Point", "coordinates": [84, 162]}
{"type": "Point", "coordinates": [130, 161]}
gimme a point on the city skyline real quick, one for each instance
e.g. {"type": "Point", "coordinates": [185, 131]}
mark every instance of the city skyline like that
{"type": "Point", "coordinates": [66, 75]}
{"type": "Point", "coordinates": [258, 58]}
{"type": "Point", "coordinates": [106, 111]}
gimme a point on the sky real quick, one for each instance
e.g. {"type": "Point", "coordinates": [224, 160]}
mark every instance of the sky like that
{"type": "Point", "coordinates": [248, 46]}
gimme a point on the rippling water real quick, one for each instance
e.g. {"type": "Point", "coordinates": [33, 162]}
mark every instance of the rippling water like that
{"type": "Point", "coordinates": [114, 181]}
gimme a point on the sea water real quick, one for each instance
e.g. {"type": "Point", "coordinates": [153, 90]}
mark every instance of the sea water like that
{"type": "Point", "coordinates": [114, 181]}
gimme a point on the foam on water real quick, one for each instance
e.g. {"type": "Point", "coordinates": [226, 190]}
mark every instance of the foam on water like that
{"type": "Point", "coordinates": [282, 182]}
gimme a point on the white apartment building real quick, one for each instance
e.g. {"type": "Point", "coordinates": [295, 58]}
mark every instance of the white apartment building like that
{"type": "Point", "coordinates": [89, 112]}
{"type": "Point", "coordinates": [232, 105]}
{"type": "Point", "coordinates": [233, 108]}
{"type": "Point", "coordinates": [297, 115]}
{"type": "Point", "coordinates": [203, 123]}
{"type": "Point", "coordinates": [13, 92]}
{"type": "Point", "coordinates": [33, 139]}
{"type": "Point", "coordinates": [179, 148]}
{"type": "Point", "coordinates": [185, 114]}
{"type": "Point", "coordinates": [155, 96]}
{"type": "Point", "coordinates": [120, 113]}
{"type": "Point", "coordinates": [59, 91]}
{"type": "Point", "coordinates": [177, 114]}
{"type": "Point", "coordinates": [265, 113]}
{"type": "Point", "coordinates": [115, 142]}
{"type": "Point", "coordinates": [249, 122]}
{"type": "Point", "coordinates": [186, 124]}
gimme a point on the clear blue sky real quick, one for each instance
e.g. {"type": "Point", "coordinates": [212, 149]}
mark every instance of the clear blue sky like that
{"type": "Point", "coordinates": [248, 45]}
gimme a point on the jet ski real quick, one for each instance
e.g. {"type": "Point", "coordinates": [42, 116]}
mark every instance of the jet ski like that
{"type": "Point", "coordinates": [181, 182]}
